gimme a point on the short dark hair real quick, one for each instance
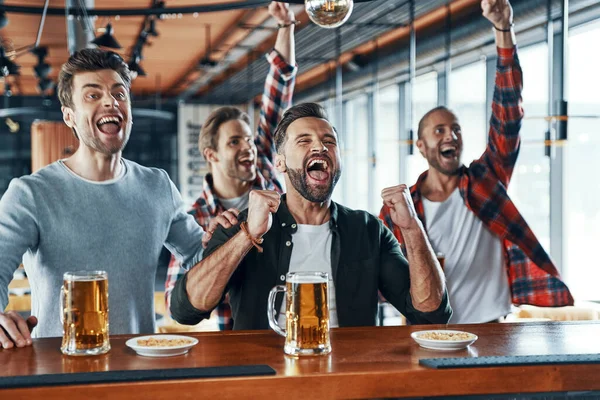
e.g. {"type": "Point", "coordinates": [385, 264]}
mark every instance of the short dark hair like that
{"type": "Point", "coordinates": [302, 110]}
{"type": "Point", "coordinates": [89, 60]}
{"type": "Point", "coordinates": [427, 114]}
{"type": "Point", "coordinates": [209, 134]}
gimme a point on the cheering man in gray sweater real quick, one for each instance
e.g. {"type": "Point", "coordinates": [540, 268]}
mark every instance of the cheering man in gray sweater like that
{"type": "Point", "coordinates": [92, 211]}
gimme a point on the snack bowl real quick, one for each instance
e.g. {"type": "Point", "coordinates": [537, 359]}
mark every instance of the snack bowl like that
{"type": "Point", "coordinates": [161, 345]}
{"type": "Point", "coordinates": [442, 339]}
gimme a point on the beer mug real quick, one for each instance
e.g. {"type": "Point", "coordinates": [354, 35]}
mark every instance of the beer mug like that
{"type": "Point", "coordinates": [84, 313]}
{"type": "Point", "coordinates": [306, 313]}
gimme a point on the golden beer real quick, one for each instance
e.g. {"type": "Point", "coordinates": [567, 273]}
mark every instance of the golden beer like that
{"type": "Point", "coordinates": [85, 313]}
{"type": "Point", "coordinates": [307, 313]}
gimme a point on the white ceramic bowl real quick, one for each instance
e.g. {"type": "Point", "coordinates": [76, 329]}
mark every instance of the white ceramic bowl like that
{"type": "Point", "coordinates": [164, 351]}
{"type": "Point", "coordinates": [447, 345]}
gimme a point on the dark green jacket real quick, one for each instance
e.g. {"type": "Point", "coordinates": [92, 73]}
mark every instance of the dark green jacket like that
{"type": "Point", "coordinates": [365, 258]}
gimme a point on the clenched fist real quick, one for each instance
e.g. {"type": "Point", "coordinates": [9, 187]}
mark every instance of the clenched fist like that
{"type": "Point", "coordinates": [261, 206]}
{"type": "Point", "coordinates": [402, 209]}
{"type": "Point", "coordinates": [498, 12]}
{"type": "Point", "coordinates": [281, 12]}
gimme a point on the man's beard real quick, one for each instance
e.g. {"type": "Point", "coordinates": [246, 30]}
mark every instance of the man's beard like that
{"type": "Point", "coordinates": [298, 178]}
{"type": "Point", "coordinates": [98, 145]}
{"type": "Point", "coordinates": [432, 154]}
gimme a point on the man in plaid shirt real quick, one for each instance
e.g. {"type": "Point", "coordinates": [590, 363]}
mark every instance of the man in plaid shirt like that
{"type": "Point", "coordinates": [492, 257]}
{"type": "Point", "coordinates": [239, 162]}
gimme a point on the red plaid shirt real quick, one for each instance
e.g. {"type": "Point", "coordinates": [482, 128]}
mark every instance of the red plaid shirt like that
{"type": "Point", "coordinates": [277, 97]}
{"type": "Point", "coordinates": [532, 276]}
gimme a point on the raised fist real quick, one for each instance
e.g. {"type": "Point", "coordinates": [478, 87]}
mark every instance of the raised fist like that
{"type": "Point", "coordinates": [402, 209]}
{"type": "Point", "coordinates": [498, 12]}
{"type": "Point", "coordinates": [261, 206]}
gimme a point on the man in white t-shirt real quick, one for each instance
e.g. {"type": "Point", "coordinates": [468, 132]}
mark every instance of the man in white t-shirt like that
{"type": "Point", "coordinates": [492, 258]}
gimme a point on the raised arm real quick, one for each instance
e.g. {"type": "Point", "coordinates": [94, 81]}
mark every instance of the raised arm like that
{"type": "Point", "coordinates": [205, 283]}
{"type": "Point", "coordinates": [427, 287]}
{"type": "Point", "coordinates": [507, 111]}
{"type": "Point", "coordinates": [279, 86]}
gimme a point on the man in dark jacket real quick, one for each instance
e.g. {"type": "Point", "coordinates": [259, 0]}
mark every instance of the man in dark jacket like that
{"type": "Point", "coordinates": [305, 231]}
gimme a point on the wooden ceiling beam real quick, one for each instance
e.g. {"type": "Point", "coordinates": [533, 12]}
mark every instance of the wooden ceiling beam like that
{"type": "Point", "coordinates": [217, 45]}
{"type": "Point", "coordinates": [263, 47]}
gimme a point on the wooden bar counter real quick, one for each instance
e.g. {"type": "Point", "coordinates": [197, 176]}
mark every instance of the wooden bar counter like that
{"type": "Point", "coordinates": [365, 363]}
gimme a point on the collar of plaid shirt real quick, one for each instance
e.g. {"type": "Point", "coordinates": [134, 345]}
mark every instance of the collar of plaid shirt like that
{"type": "Point", "coordinates": [208, 205]}
{"type": "Point", "coordinates": [532, 276]}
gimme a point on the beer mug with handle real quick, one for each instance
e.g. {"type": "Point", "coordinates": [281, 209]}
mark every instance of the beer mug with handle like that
{"type": "Point", "coordinates": [306, 329]}
{"type": "Point", "coordinates": [84, 313]}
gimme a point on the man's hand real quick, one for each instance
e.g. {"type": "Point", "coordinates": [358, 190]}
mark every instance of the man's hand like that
{"type": "Point", "coordinates": [498, 12]}
{"type": "Point", "coordinates": [281, 12]}
{"type": "Point", "coordinates": [14, 330]}
{"type": "Point", "coordinates": [227, 219]}
{"type": "Point", "coordinates": [402, 209]}
{"type": "Point", "coordinates": [261, 206]}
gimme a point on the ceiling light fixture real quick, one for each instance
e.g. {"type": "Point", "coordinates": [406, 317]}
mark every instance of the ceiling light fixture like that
{"type": "Point", "coordinates": [45, 85]}
{"type": "Point", "coordinates": [42, 69]}
{"type": "Point", "coordinates": [107, 39]}
{"type": "Point", "coordinates": [207, 62]}
{"type": "Point", "coordinates": [135, 67]}
{"type": "Point", "coordinates": [151, 30]}
{"type": "Point", "coordinates": [7, 67]}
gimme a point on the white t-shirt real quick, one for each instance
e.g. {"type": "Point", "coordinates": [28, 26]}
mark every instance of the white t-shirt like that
{"type": "Point", "coordinates": [475, 271]}
{"type": "Point", "coordinates": [241, 203]}
{"type": "Point", "coordinates": [312, 252]}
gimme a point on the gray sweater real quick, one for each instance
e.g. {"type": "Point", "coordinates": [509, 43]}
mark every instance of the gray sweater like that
{"type": "Point", "coordinates": [56, 221]}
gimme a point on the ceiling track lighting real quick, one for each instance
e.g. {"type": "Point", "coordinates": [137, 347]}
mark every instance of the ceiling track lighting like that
{"type": "Point", "coordinates": [107, 39]}
{"type": "Point", "coordinates": [135, 67]}
{"type": "Point", "coordinates": [207, 62]}
{"type": "Point", "coordinates": [7, 67]}
{"type": "Point", "coordinates": [42, 69]}
{"type": "Point", "coordinates": [151, 29]}
{"type": "Point", "coordinates": [45, 84]}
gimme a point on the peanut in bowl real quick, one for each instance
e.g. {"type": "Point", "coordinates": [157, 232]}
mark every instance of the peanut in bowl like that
{"type": "Point", "coordinates": [158, 342]}
{"type": "Point", "coordinates": [444, 339]}
{"type": "Point", "coordinates": [161, 345]}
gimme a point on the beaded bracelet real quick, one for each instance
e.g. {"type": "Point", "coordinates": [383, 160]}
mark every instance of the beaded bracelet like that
{"type": "Point", "coordinates": [255, 242]}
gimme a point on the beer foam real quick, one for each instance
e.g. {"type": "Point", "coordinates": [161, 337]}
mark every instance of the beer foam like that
{"type": "Point", "coordinates": [307, 279]}
{"type": "Point", "coordinates": [85, 276]}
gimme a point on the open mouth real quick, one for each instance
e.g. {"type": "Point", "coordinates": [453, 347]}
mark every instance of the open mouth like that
{"type": "Point", "coordinates": [449, 152]}
{"type": "Point", "coordinates": [246, 161]}
{"type": "Point", "coordinates": [110, 124]}
{"type": "Point", "coordinates": [318, 169]}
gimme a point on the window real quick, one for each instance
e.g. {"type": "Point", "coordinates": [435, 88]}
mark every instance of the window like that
{"type": "Point", "coordinates": [387, 147]}
{"type": "Point", "coordinates": [467, 100]}
{"type": "Point", "coordinates": [329, 105]}
{"type": "Point", "coordinates": [356, 153]}
{"type": "Point", "coordinates": [581, 186]}
{"type": "Point", "coordinates": [530, 184]}
{"type": "Point", "coordinates": [424, 94]}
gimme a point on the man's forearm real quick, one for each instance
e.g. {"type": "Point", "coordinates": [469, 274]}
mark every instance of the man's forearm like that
{"type": "Point", "coordinates": [285, 44]}
{"type": "Point", "coordinates": [206, 281]}
{"type": "Point", "coordinates": [506, 40]}
{"type": "Point", "coordinates": [426, 278]}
